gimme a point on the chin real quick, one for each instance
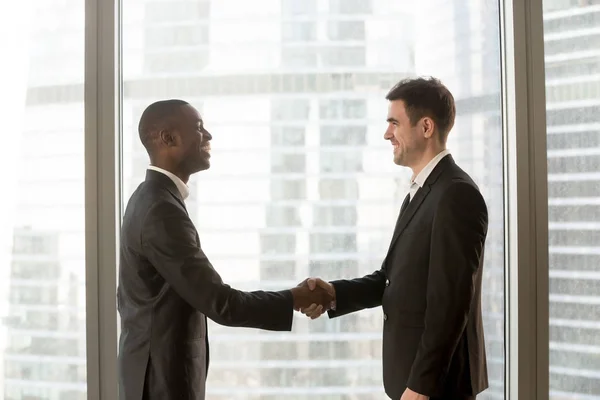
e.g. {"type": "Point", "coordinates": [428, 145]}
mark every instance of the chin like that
{"type": "Point", "coordinates": [204, 166]}
{"type": "Point", "coordinates": [199, 167]}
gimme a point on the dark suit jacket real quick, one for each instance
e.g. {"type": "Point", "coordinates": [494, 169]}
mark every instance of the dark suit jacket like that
{"type": "Point", "coordinates": [167, 288]}
{"type": "Point", "coordinates": [430, 289]}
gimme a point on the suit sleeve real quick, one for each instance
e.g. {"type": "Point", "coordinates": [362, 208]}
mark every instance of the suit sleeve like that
{"type": "Point", "coordinates": [458, 236]}
{"type": "Point", "coordinates": [358, 294]}
{"type": "Point", "coordinates": [169, 243]}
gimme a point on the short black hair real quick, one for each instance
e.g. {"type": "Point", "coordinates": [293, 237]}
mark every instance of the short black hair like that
{"type": "Point", "coordinates": [426, 97]}
{"type": "Point", "coordinates": [157, 116]}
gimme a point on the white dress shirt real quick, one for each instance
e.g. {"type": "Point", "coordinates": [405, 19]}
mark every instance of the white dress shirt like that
{"type": "Point", "coordinates": [419, 180]}
{"type": "Point", "coordinates": [181, 186]}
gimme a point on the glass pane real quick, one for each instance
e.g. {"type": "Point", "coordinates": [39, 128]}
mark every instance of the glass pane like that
{"type": "Point", "coordinates": [572, 49]}
{"type": "Point", "coordinates": [459, 42]}
{"type": "Point", "coordinates": [42, 247]}
{"type": "Point", "coordinates": [302, 182]}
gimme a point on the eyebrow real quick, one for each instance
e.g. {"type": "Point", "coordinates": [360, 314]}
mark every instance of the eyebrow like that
{"type": "Point", "coordinates": [391, 120]}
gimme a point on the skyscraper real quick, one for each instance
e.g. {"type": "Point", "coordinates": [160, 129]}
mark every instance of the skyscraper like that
{"type": "Point", "coordinates": [45, 353]}
{"type": "Point", "coordinates": [302, 182]}
{"type": "Point", "coordinates": [573, 125]}
{"type": "Point", "coordinates": [295, 188]}
{"type": "Point", "coordinates": [461, 46]}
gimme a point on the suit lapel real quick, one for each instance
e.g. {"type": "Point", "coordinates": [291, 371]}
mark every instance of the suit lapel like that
{"type": "Point", "coordinates": [405, 217]}
{"type": "Point", "coordinates": [405, 204]}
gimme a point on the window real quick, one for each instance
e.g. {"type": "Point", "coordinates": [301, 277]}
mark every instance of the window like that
{"type": "Point", "coordinates": [189, 36]}
{"type": "Point", "coordinates": [338, 189]}
{"type": "Point", "coordinates": [569, 45]}
{"type": "Point", "coordinates": [450, 52]}
{"type": "Point", "coordinates": [573, 117]}
{"type": "Point", "coordinates": [296, 105]}
{"type": "Point", "coordinates": [343, 7]}
{"type": "Point", "coordinates": [286, 162]}
{"type": "Point", "coordinates": [279, 270]}
{"type": "Point", "coordinates": [342, 135]}
{"type": "Point", "coordinates": [288, 189]}
{"type": "Point", "coordinates": [299, 57]}
{"type": "Point", "coordinates": [348, 267]}
{"type": "Point", "coordinates": [42, 216]}
{"type": "Point", "coordinates": [297, 8]}
{"type": "Point", "coordinates": [177, 10]}
{"type": "Point", "coordinates": [335, 216]}
{"type": "Point", "coordinates": [572, 22]}
{"type": "Point", "coordinates": [299, 31]}
{"type": "Point", "coordinates": [343, 56]}
{"type": "Point", "coordinates": [343, 109]}
{"type": "Point", "coordinates": [327, 243]}
{"type": "Point", "coordinates": [288, 136]}
{"type": "Point", "coordinates": [272, 243]}
{"type": "Point", "coordinates": [179, 60]}
{"type": "Point", "coordinates": [341, 162]}
{"type": "Point", "coordinates": [279, 350]}
{"type": "Point", "coordinates": [571, 67]}
{"type": "Point", "coordinates": [567, 114]}
{"type": "Point", "coordinates": [294, 93]}
{"type": "Point", "coordinates": [346, 30]}
{"type": "Point", "coordinates": [284, 216]}
{"type": "Point", "coordinates": [290, 110]}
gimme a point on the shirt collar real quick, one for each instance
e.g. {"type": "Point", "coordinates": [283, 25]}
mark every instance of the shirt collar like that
{"type": "Point", "coordinates": [181, 186]}
{"type": "Point", "coordinates": [420, 179]}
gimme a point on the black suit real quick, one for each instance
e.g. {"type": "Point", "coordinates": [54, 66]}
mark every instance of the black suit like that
{"type": "Point", "coordinates": [430, 289]}
{"type": "Point", "coordinates": [167, 288]}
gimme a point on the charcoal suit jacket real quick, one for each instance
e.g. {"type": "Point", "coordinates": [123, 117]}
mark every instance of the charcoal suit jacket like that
{"type": "Point", "coordinates": [167, 289]}
{"type": "Point", "coordinates": [429, 287]}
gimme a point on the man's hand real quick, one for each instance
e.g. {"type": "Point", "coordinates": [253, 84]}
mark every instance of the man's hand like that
{"type": "Point", "coordinates": [316, 310]}
{"type": "Point", "coordinates": [305, 297]}
{"type": "Point", "coordinates": [410, 395]}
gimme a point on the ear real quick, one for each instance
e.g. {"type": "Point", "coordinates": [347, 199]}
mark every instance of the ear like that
{"type": "Point", "coordinates": [428, 127]}
{"type": "Point", "coordinates": [168, 138]}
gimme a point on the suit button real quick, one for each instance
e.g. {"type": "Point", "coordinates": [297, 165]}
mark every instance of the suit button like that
{"type": "Point", "coordinates": [387, 282]}
{"type": "Point", "coordinates": [385, 317]}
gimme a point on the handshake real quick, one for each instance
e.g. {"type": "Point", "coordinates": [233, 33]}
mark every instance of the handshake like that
{"type": "Point", "coordinates": [313, 297]}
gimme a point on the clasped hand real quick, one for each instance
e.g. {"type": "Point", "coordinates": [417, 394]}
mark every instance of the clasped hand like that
{"type": "Point", "coordinates": [313, 297]}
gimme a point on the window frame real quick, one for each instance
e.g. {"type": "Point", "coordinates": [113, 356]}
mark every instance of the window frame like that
{"type": "Point", "coordinates": [525, 180]}
{"type": "Point", "coordinates": [102, 103]}
{"type": "Point", "coordinates": [526, 199]}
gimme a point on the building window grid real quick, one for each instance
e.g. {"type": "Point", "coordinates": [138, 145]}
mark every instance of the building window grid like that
{"type": "Point", "coordinates": [571, 94]}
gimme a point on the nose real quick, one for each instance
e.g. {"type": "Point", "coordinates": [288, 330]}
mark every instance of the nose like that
{"type": "Point", "coordinates": [206, 136]}
{"type": "Point", "coordinates": [388, 133]}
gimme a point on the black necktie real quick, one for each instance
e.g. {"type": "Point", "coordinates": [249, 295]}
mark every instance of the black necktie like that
{"type": "Point", "coordinates": [404, 205]}
{"type": "Point", "coordinates": [403, 208]}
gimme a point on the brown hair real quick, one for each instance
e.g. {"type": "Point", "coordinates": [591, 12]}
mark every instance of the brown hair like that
{"type": "Point", "coordinates": [426, 97]}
